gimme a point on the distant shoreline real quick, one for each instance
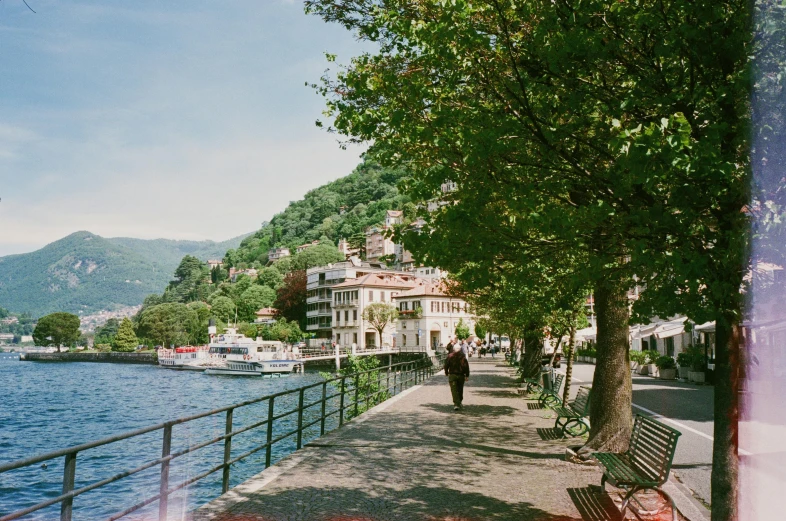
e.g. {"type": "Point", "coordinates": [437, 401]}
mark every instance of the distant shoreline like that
{"type": "Point", "coordinates": [110, 357]}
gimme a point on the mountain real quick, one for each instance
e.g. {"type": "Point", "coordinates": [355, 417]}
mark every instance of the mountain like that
{"type": "Point", "coordinates": [343, 208]}
{"type": "Point", "coordinates": [83, 272]}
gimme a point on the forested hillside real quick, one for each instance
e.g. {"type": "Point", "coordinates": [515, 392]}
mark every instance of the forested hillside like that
{"type": "Point", "coordinates": [84, 273]}
{"type": "Point", "coordinates": [341, 209]}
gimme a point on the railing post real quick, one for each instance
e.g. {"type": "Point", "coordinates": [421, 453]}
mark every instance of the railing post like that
{"type": "Point", "coordinates": [163, 490]}
{"type": "Point", "coordinates": [378, 398]}
{"type": "Point", "coordinates": [269, 448]}
{"type": "Point", "coordinates": [341, 403]}
{"type": "Point", "coordinates": [324, 400]}
{"type": "Point", "coordinates": [300, 420]}
{"type": "Point", "coordinates": [395, 382]}
{"type": "Point", "coordinates": [357, 389]}
{"type": "Point", "coordinates": [227, 452]}
{"type": "Point", "coordinates": [69, 477]}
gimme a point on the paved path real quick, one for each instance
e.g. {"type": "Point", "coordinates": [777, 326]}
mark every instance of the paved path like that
{"type": "Point", "coordinates": [414, 458]}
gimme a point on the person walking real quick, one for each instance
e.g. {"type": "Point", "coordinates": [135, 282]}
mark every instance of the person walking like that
{"type": "Point", "coordinates": [457, 370]}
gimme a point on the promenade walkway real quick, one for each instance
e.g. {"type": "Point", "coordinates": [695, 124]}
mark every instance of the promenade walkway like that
{"type": "Point", "coordinates": [413, 458]}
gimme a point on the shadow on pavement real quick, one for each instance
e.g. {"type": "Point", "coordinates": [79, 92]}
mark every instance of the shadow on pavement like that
{"type": "Point", "coordinates": [593, 504]}
{"type": "Point", "coordinates": [549, 434]}
{"type": "Point", "coordinates": [419, 503]}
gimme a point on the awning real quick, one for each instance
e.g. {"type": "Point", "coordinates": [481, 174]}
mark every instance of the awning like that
{"type": "Point", "coordinates": [670, 328]}
{"type": "Point", "coordinates": [707, 327]}
{"type": "Point", "coordinates": [588, 333]}
{"type": "Point", "coordinates": [642, 331]}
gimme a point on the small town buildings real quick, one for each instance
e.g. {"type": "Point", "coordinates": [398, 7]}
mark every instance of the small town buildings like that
{"type": "Point", "coordinates": [234, 273]}
{"type": "Point", "coordinates": [277, 253]}
{"type": "Point", "coordinates": [319, 287]}
{"type": "Point", "coordinates": [266, 316]}
{"type": "Point", "coordinates": [377, 244]}
{"type": "Point", "coordinates": [214, 263]}
{"type": "Point", "coordinates": [345, 249]}
{"type": "Point", "coordinates": [304, 247]}
{"type": "Point", "coordinates": [350, 299]}
{"type": "Point", "coordinates": [428, 316]}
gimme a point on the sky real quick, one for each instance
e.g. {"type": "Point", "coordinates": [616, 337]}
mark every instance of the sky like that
{"type": "Point", "coordinates": [185, 119]}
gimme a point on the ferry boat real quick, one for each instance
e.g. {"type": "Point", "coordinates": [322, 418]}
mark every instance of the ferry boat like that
{"type": "Point", "coordinates": [185, 357]}
{"type": "Point", "coordinates": [233, 353]}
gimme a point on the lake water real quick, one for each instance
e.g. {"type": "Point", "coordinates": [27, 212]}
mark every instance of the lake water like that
{"type": "Point", "coordinates": [50, 406]}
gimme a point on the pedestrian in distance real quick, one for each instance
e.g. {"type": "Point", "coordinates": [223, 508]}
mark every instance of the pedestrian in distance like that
{"type": "Point", "coordinates": [457, 370]}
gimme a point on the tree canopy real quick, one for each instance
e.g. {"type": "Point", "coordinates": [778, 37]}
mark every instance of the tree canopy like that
{"type": "Point", "coordinates": [57, 329]}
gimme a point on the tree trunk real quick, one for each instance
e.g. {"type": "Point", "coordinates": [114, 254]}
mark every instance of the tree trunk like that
{"type": "Point", "coordinates": [610, 403]}
{"type": "Point", "coordinates": [530, 358]}
{"type": "Point", "coordinates": [569, 362]}
{"type": "Point", "coordinates": [725, 445]}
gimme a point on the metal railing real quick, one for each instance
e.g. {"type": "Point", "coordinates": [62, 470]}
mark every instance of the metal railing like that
{"type": "Point", "coordinates": [354, 394]}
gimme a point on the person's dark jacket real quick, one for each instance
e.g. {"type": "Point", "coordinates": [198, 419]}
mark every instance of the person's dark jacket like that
{"type": "Point", "coordinates": [456, 363]}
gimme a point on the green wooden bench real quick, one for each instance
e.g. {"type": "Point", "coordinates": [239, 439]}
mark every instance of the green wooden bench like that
{"type": "Point", "coordinates": [645, 465]}
{"type": "Point", "coordinates": [571, 416]}
{"type": "Point", "coordinates": [531, 385]}
{"type": "Point", "coordinates": [550, 397]}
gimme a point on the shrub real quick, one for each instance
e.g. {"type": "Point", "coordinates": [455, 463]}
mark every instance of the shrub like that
{"type": "Point", "coordinates": [683, 359]}
{"type": "Point", "coordinates": [665, 362]}
{"type": "Point", "coordinates": [696, 357]}
{"type": "Point", "coordinates": [652, 356]}
{"type": "Point", "coordinates": [639, 357]}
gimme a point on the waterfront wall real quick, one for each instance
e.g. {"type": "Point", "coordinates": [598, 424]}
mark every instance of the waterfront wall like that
{"type": "Point", "coordinates": [111, 357]}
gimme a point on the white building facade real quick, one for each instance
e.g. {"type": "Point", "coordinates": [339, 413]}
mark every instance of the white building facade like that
{"type": "Point", "coordinates": [351, 298]}
{"type": "Point", "coordinates": [428, 317]}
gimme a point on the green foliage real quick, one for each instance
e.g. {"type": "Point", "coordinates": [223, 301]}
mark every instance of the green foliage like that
{"type": "Point", "coordinates": [462, 330]}
{"type": "Point", "coordinates": [480, 331]}
{"type": "Point", "coordinates": [249, 330]}
{"type": "Point", "coordinates": [125, 340]}
{"type": "Point", "coordinates": [270, 277]}
{"type": "Point", "coordinates": [379, 315]}
{"type": "Point", "coordinates": [106, 333]}
{"type": "Point", "coordinates": [638, 356]}
{"type": "Point", "coordinates": [365, 195]}
{"type": "Point", "coordinates": [370, 393]}
{"type": "Point", "coordinates": [695, 358]}
{"type": "Point", "coordinates": [665, 362]}
{"type": "Point", "coordinates": [282, 330]}
{"type": "Point", "coordinates": [223, 308]}
{"type": "Point", "coordinates": [252, 300]}
{"type": "Point", "coordinates": [57, 329]}
{"type": "Point", "coordinates": [169, 323]}
{"type": "Point", "coordinates": [652, 355]}
{"type": "Point", "coordinates": [84, 273]}
{"type": "Point", "coordinates": [684, 359]}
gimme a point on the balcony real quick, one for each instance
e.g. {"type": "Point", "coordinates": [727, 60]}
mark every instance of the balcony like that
{"type": "Point", "coordinates": [344, 305]}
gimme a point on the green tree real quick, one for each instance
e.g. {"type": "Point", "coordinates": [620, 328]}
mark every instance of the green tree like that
{"type": "Point", "coordinates": [57, 329]}
{"type": "Point", "coordinates": [318, 255]}
{"type": "Point", "coordinates": [106, 333]}
{"type": "Point", "coordinates": [252, 300]}
{"type": "Point", "coordinates": [125, 340]}
{"type": "Point", "coordinates": [462, 330]}
{"type": "Point", "coordinates": [575, 125]}
{"type": "Point", "coordinates": [270, 277]}
{"type": "Point", "coordinates": [480, 331]}
{"type": "Point", "coordinates": [198, 331]}
{"type": "Point", "coordinates": [168, 323]}
{"type": "Point", "coordinates": [223, 308]}
{"type": "Point", "coordinates": [379, 315]}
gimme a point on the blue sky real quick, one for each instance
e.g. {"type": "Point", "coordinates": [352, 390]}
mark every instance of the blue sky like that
{"type": "Point", "coordinates": [178, 119]}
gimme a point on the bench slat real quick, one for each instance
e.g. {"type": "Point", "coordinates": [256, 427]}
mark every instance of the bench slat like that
{"type": "Point", "coordinates": [647, 462]}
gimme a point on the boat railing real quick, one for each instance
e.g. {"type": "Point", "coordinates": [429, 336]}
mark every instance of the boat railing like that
{"type": "Point", "coordinates": [344, 396]}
